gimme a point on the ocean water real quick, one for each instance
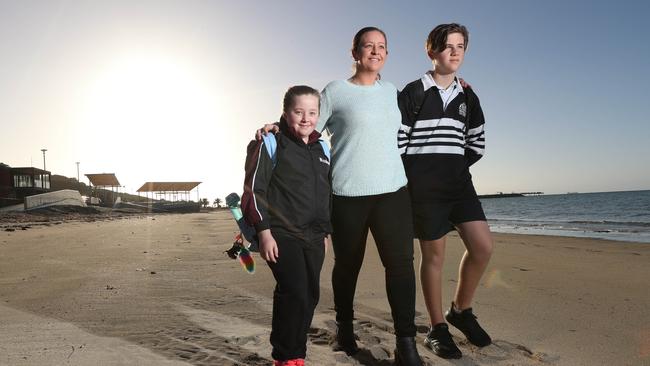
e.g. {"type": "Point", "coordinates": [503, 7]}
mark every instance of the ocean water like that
{"type": "Point", "coordinates": [621, 216]}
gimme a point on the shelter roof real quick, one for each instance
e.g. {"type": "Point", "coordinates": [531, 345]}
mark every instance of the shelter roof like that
{"type": "Point", "coordinates": [29, 170]}
{"type": "Point", "coordinates": [168, 186]}
{"type": "Point", "coordinates": [104, 179]}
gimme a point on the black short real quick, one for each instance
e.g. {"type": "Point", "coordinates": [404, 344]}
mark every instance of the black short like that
{"type": "Point", "coordinates": [433, 220]}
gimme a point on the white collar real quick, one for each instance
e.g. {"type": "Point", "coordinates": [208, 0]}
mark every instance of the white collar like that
{"type": "Point", "coordinates": [429, 82]}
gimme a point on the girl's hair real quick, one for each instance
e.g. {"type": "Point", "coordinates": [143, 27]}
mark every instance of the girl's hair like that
{"type": "Point", "coordinates": [296, 91]}
{"type": "Point", "coordinates": [437, 40]}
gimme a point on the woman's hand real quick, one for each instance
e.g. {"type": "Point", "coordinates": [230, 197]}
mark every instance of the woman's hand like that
{"type": "Point", "coordinates": [269, 127]}
{"type": "Point", "coordinates": [268, 246]}
{"type": "Point", "coordinates": [464, 84]}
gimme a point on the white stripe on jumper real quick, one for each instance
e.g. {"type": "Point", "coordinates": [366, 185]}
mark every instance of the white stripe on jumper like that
{"type": "Point", "coordinates": [433, 140]}
{"type": "Point", "coordinates": [404, 129]}
{"type": "Point", "coordinates": [438, 132]}
{"type": "Point", "coordinates": [476, 149]}
{"type": "Point", "coordinates": [435, 149]}
{"type": "Point", "coordinates": [475, 131]}
{"type": "Point", "coordinates": [439, 122]}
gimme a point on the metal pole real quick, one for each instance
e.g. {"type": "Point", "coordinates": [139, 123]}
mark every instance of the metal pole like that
{"type": "Point", "coordinates": [78, 182]}
{"type": "Point", "coordinates": [42, 178]}
{"type": "Point", "coordinates": [44, 150]}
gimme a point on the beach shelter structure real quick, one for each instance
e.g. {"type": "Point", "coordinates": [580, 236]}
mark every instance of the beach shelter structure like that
{"type": "Point", "coordinates": [171, 196]}
{"type": "Point", "coordinates": [170, 191]}
{"type": "Point", "coordinates": [104, 186]}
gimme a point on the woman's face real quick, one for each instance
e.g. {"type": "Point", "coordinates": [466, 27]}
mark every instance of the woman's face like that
{"type": "Point", "coordinates": [371, 53]}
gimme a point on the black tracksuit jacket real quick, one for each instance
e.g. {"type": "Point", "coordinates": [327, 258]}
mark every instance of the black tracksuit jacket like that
{"type": "Point", "coordinates": [292, 197]}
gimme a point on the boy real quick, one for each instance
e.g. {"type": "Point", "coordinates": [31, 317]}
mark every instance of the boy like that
{"type": "Point", "coordinates": [440, 138]}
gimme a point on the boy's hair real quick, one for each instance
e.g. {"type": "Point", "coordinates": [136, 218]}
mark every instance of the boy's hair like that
{"type": "Point", "coordinates": [356, 41]}
{"type": "Point", "coordinates": [296, 91]}
{"type": "Point", "coordinates": [437, 40]}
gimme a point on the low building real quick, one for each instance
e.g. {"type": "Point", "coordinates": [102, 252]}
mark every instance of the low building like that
{"type": "Point", "coordinates": [18, 183]}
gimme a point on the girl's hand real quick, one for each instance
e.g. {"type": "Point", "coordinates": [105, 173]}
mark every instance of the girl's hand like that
{"type": "Point", "coordinates": [269, 127]}
{"type": "Point", "coordinates": [268, 246]}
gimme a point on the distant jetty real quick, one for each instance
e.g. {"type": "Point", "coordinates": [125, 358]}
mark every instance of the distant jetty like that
{"type": "Point", "coordinates": [513, 194]}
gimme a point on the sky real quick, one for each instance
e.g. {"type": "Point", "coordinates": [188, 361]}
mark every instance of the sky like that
{"type": "Point", "coordinates": [174, 90]}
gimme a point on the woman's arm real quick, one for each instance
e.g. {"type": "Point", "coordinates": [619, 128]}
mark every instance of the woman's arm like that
{"type": "Point", "coordinates": [475, 130]}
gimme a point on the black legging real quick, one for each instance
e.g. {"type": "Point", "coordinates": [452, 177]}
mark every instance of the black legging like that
{"type": "Point", "coordinates": [297, 275]}
{"type": "Point", "coordinates": [389, 218]}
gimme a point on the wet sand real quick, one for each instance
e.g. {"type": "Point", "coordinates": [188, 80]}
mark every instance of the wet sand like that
{"type": "Point", "coordinates": [158, 290]}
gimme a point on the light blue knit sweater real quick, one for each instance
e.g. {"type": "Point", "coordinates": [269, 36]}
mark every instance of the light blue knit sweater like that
{"type": "Point", "coordinates": [363, 122]}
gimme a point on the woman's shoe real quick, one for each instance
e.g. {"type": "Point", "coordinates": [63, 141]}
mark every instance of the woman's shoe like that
{"type": "Point", "coordinates": [406, 352]}
{"type": "Point", "coordinates": [345, 338]}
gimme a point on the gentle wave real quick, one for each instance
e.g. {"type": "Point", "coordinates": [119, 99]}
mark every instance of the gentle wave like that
{"type": "Point", "coordinates": [584, 222]}
{"type": "Point", "coordinates": [608, 222]}
{"type": "Point", "coordinates": [608, 215]}
{"type": "Point", "coordinates": [617, 235]}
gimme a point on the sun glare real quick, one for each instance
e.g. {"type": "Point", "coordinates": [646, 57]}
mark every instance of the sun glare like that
{"type": "Point", "coordinates": [145, 112]}
{"type": "Point", "coordinates": [153, 95]}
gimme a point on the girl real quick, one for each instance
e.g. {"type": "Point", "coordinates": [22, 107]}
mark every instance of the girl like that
{"type": "Point", "coordinates": [287, 199]}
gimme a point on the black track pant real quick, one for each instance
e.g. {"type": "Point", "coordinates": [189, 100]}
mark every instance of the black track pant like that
{"type": "Point", "coordinates": [297, 273]}
{"type": "Point", "coordinates": [389, 218]}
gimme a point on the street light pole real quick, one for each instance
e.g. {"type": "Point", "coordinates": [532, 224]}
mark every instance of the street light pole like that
{"type": "Point", "coordinates": [44, 150]}
{"type": "Point", "coordinates": [78, 182]}
{"type": "Point", "coordinates": [42, 175]}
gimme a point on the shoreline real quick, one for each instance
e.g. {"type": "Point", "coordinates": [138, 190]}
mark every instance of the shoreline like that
{"type": "Point", "coordinates": [158, 289]}
{"type": "Point", "coordinates": [606, 235]}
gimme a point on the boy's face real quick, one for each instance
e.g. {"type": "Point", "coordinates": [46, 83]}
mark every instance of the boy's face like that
{"type": "Point", "coordinates": [449, 60]}
{"type": "Point", "coordinates": [303, 115]}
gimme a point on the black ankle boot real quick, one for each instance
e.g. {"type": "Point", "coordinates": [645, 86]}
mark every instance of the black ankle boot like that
{"type": "Point", "coordinates": [345, 339]}
{"type": "Point", "coordinates": [406, 353]}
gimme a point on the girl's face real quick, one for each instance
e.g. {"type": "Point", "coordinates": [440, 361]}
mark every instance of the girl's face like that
{"type": "Point", "coordinates": [302, 116]}
{"type": "Point", "coordinates": [449, 60]}
{"type": "Point", "coordinates": [371, 53]}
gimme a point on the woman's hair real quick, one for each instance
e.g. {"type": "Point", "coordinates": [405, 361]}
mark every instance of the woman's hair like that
{"type": "Point", "coordinates": [437, 40]}
{"type": "Point", "coordinates": [295, 91]}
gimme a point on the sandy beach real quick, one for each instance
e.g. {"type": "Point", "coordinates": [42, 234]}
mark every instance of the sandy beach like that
{"type": "Point", "coordinates": [158, 290]}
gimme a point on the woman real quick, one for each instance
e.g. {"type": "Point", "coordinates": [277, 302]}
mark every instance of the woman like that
{"type": "Point", "coordinates": [369, 192]}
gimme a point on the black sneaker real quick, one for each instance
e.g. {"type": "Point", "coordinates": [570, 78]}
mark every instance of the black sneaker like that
{"type": "Point", "coordinates": [466, 322]}
{"type": "Point", "coordinates": [440, 341]}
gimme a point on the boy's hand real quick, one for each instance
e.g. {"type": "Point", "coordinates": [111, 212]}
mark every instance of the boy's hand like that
{"type": "Point", "coordinates": [269, 127]}
{"type": "Point", "coordinates": [268, 246]}
{"type": "Point", "coordinates": [464, 83]}
{"type": "Point", "coordinates": [326, 243]}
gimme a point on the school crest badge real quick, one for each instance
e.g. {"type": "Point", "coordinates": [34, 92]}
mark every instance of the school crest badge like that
{"type": "Point", "coordinates": [462, 109]}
